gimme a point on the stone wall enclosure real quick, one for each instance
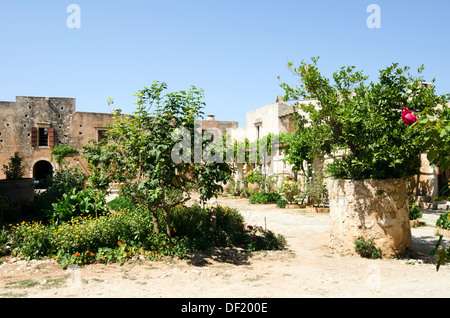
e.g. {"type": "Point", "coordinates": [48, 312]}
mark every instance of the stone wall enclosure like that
{"type": "Point", "coordinates": [373, 209]}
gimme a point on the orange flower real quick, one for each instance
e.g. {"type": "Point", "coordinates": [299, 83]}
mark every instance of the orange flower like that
{"type": "Point", "coordinates": [119, 243]}
{"type": "Point", "coordinates": [76, 254]}
{"type": "Point", "coordinates": [91, 254]}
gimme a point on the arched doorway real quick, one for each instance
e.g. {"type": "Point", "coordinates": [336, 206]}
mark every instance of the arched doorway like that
{"type": "Point", "coordinates": [41, 170]}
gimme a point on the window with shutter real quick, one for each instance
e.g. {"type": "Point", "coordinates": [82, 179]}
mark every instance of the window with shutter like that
{"type": "Point", "coordinates": [51, 137]}
{"type": "Point", "coordinates": [34, 137]}
{"type": "Point", "coordinates": [43, 137]}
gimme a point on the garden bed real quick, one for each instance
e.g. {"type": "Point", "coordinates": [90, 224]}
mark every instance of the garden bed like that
{"type": "Point", "coordinates": [295, 206]}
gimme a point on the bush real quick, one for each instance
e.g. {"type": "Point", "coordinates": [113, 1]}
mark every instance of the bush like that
{"type": "Point", "coordinates": [14, 170]}
{"type": "Point", "coordinates": [4, 248]}
{"type": "Point", "coordinates": [254, 176]}
{"type": "Point", "coordinates": [127, 232]}
{"type": "Point", "coordinates": [444, 221]}
{"type": "Point", "coordinates": [366, 248]}
{"type": "Point", "coordinates": [281, 203]}
{"type": "Point", "coordinates": [414, 212]}
{"type": "Point", "coordinates": [122, 202]}
{"type": "Point", "coordinates": [262, 239]}
{"type": "Point", "coordinates": [291, 190]}
{"type": "Point", "coordinates": [82, 234]}
{"type": "Point", "coordinates": [259, 198]}
{"type": "Point", "coordinates": [203, 229]}
{"type": "Point", "coordinates": [78, 203]}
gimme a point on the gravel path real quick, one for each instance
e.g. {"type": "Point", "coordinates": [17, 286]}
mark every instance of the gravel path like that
{"type": "Point", "coordinates": [307, 269]}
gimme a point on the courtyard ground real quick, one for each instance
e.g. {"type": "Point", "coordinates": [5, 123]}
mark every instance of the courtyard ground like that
{"type": "Point", "coordinates": [308, 268]}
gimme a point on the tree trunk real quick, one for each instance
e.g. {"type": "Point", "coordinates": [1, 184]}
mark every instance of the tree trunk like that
{"type": "Point", "coordinates": [154, 213]}
{"type": "Point", "coordinates": [168, 226]}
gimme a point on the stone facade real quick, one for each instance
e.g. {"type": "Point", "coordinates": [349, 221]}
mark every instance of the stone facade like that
{"type": "Point", "coordinates": [271, 119]}
{"type": "Point", "coordinates": [372, 209]}
{"type": "Point", "coordinates": [32, 126]}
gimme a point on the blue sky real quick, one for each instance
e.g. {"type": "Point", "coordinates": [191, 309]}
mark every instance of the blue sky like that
{"type": "Point", "coordinates": [233, 50]}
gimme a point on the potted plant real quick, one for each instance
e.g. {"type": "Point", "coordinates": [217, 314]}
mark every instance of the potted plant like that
{"type": "Point", "coordinates": [15, 186]}
{"type": "Point", "coordinates": [291, 191]}
{"type": "Point", "coordinates": [362, 130]}
{"type": "Point", "coordinates": [254, 179]}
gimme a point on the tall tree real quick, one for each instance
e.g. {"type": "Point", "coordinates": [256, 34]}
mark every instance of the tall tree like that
{"type": "Point", "coordinates": [139, 152]}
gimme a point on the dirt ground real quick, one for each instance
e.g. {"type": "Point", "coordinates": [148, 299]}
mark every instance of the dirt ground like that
{"type": "Point", "coordinates": [308, 268]}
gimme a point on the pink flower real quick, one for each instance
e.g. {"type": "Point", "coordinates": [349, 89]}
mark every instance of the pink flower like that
{"type": "Point", "coordinates": [408, 116]}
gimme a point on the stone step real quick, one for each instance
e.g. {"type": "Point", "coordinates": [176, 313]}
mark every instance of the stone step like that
{"type": "Point", "coordinates": [435, 206]}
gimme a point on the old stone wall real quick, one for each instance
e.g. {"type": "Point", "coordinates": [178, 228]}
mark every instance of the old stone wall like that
{"type": "Point", "coordinates": [372, 209]}
{"type": "Point", "coordinates": [19, 118]}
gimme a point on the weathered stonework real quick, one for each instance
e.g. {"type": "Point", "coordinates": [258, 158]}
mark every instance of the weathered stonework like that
{"type": "Point", "coordinates": [373, 209]}
{"type": "Point", "coordinates": [33, 126]}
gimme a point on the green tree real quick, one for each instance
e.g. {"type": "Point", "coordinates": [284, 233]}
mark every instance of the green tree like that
{"type": "Point", "coordinates": [359, 123]}
{"type": "Point", "coordinates": [138, 152]}
{"type": "Point", "coordinates": [434, 124]}
{"type": "Point", "coordinates": [14, 170]}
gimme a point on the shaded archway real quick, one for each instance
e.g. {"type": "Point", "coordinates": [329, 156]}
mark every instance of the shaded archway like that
{"type": "Point", "coordinates": [42, 170]}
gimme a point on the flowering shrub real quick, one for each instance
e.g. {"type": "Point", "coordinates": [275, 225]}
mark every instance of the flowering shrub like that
{"type": "Point", "coordinates": [360, 121]}
{"type": "Point", "coordinates": [408, 116]}
{"type": "Point", "coordinates": [259, 198]}
{"type": "Point", "coordinates": [125, 233]}
{"type": "Point", "coordinates": [444, 221]}
{"type": "Point", "coordinates": [291, 190]}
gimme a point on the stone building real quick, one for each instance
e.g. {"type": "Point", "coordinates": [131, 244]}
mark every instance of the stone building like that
{"type": "Point", "coordinates": [276, 119]}
{"type": "Point", "coordinates": [32, 126]}
{"type": "Point", "coordinates": [271, 119]}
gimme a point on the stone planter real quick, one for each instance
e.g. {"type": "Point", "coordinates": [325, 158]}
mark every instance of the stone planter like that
{"type": "Point", "coordinates": [314, 209]}
{"type": "Point", "coordinates": [17, 190]}
{"type": "Point", "coordinates": [444, 232]}
{"type": "Point", "coordinates": [226, 187]}
{"type": "Point", "coordinates": [253, 187]}
{"type": "Point", "coordinates": [372, 209]}
{"type": "Point", "coordinates": [414, 223]}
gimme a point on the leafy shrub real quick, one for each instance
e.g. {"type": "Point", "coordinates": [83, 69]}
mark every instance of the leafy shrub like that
{"type": "Point", "coordinates": [262, 239]}
{"type": "Point", "coordinates": [258, 198]}
{"type": "Point", "coordinates": [82, 234]}
{"type": "Point", "coordinates": [78, 203]}
{"type": "Point", "coordinates": [364, 118]}
{"type": "Point", "coordinates": [125, 233]}
{"type": "Point", "coordinates": [291, 190]}
{"type": "Point", "coordinates": [281, 203]}
{"type": "Point", "coordinates": [254, 176]}
{"type": "Point", "coordinates": [4, 240]}
{"type": "Point", "coordinates": [8, 210]}
{"type": "Point", "coordinates": [444, 221]}
{"type": "Point", "coordinates": [201, 232]}
{"type": "Point", "coordinates": [61, 152]}
{"type": "Point", "coordinates": [14, 170]}
{"type": "Point", "coordinates": [63, 181]}
{"type": "Point", "coordinates": [122, 202]}
{"type": "Point", "coordinates": [414, 212]}
{"type": "Point", "coordinates": [366, 248]}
